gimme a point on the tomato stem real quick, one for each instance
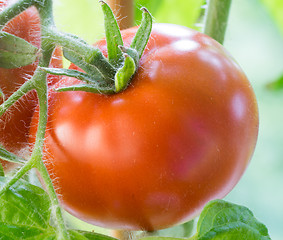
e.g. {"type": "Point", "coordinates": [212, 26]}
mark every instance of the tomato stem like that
{"type": "Point", "coordinates": [2, 173]}
{"type": "Point", "coordinates": [97, 67]}
{"type": "Point", "coordinates": [40, 83]}
{"type": "Point", "coordinates": [216, 19]}
{"type": "Point", "coordinates": [25, 88]}
{"type": "Point", "coordinates": [87, 57]}
{"type": "Point", "coordinates": [13, 10]}
{"type": "Point", "coordinates": [56, 209]}
{"type": "Point", "coordinates": [19, 174]}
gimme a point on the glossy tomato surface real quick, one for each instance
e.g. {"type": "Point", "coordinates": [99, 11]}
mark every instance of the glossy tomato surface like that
{"type": "Point", "coordinates": [14, 124]}
{"type": "Point", "coordinates": [153, 155]}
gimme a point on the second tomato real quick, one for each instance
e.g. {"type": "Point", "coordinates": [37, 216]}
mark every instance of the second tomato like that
{"type": "Point", "coordinates": [14, 124]}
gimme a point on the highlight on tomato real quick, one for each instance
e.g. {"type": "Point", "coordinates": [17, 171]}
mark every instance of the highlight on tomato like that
{"type": "Point", "coordinates": [181, 134]}
{"type": "Point", "coordinates": [14, 124]}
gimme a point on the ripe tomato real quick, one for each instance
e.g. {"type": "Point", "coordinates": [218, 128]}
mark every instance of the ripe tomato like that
{"type": "Point", "coordinates": [14, 124]}
{"type": "Point", "coordinates": [153, 155]}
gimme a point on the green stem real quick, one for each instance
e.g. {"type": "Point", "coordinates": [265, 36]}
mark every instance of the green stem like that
{"type": "Point", "coordinates": [57, 211]}
{"type": "Point", "coordinates": [2, 173]}
{"type": "Point", "coordinates": [37, 154]}
{"type": "Point", "coordinates": [216, 19]}
{"type": "Point", "coordinates": [89, 53]}
{"type": "Point", "coordinates": [13, 10]}
{"type": "Point", "coordinates": [23, 170]}
{"type": "Point", "coordinates": [45, 9]}
{"type": "Point", "coordinates": [41, 88]}
{"type": "Point", "coordinates": [25, 88]}
{"type": "Point", "coordinates": [47, 46]}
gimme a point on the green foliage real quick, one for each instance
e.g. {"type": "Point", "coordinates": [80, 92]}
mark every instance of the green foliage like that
{"type": "Point", "coordinates": [277, 84]}
{"type": "Point", "coordinates": [2, 174]}
{"type": "Point", "coordinates": [222, 220]}
{"type": "Point", "coordinates": [15, 52]}
{"type": "Point", "coordinates": [25, 212]}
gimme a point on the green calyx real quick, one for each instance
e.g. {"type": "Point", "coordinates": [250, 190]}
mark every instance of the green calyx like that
{"type": "Point", "coordinates": [16, 52]}
{"type": "Point", "coordinates": [112, 74]}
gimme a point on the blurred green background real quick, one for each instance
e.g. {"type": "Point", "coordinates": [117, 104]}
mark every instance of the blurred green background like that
{"type": "Point", "coordinates": [255, 39]}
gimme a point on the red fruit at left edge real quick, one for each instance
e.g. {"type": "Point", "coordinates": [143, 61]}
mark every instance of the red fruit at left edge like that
{"type": "Point", "coordinates": [14, 124]}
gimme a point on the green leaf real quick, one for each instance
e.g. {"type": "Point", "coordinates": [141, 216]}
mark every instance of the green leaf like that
{"type": "Point", "coordinates": [90, 235]}
{"type": "Point", "coordinates": [124, 74]}
{"type": "Point", "coordinates": [24, 211]}
{"type": "Point", "coordinates": [221, 220]}
{"type": "Point", "coordinates": [10, 157]}
{"type": "Point", "coordinates": [50, 234]}
{"type": "Point", "coordinates": [113, 36]}
{"type": "Point", "coordinates": [277, 84]}
{"type": "Point", "coordinates": [15, 52]}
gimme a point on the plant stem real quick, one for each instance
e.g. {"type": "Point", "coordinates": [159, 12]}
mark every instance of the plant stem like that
{"type": "Point", "coordinates": [124, 12]}
{"type": "Point", "coordinates": [41, 88]}
{"type": "Point", "coordinates": [57, 211]}
{"type": "Point", "coordinates": [87, 52]}
{"type": "Point", "coordinates": [40, 83]}
{"type": "Point", "coordinates": [25, 88]}
{"type": "Point", "coordinates": [217, 18]}
{"type": "Point", "coordinates": [13, 10]}
{"type": "Point", "coordinates": [23, 170]}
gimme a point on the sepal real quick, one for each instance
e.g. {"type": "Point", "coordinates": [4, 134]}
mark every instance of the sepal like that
{"type": "Point", "coordinates": [16, 52]}
{"type": "Point", "coordinates": [10, 157]}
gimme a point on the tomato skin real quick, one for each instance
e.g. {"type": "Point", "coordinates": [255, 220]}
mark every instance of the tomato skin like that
{"type": "Point", "coordinates": [14, 124]}
{"type": "Point", "coordinates": [153, 155]}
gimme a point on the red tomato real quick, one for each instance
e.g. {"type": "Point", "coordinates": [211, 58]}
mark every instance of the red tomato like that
{"type": "Point", "coordinates": [153, 155]}
{"type": "Point", "coordinates": [14, 124]}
